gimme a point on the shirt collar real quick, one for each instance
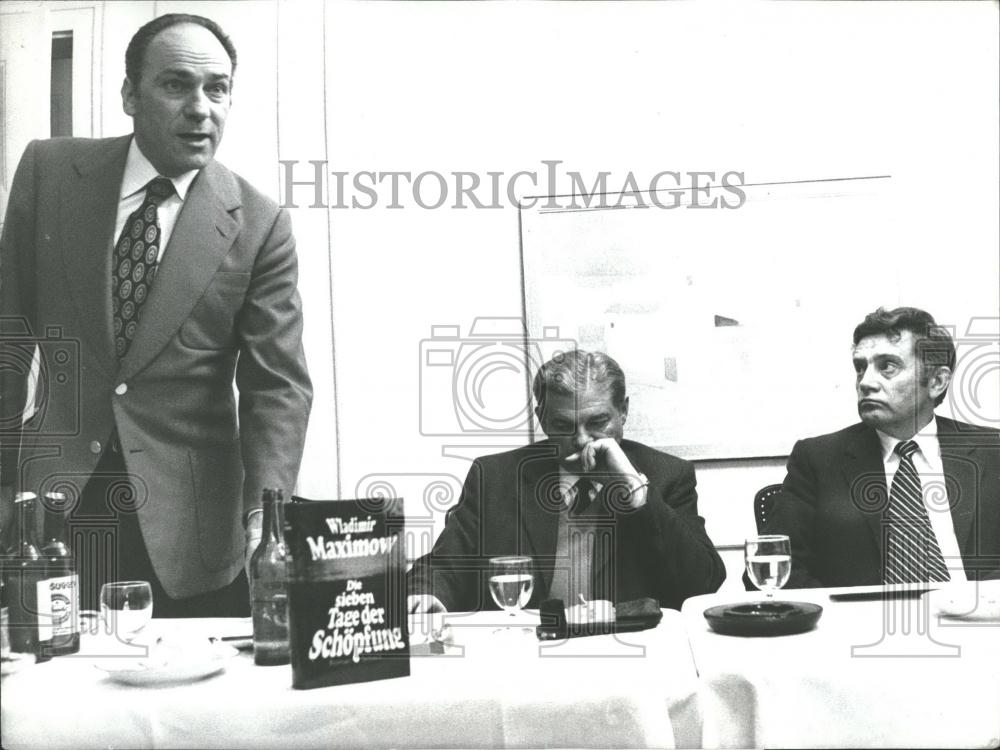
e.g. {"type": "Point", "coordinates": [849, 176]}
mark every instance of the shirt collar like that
{"type": "Point", "coordinates": [568, 480]}
{"type": "Point", "coordinates": [139, 171]}
{"type": "Point", "coordinates": [926, 440]}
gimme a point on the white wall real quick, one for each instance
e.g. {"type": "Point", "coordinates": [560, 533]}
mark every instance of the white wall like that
{"type": "Point", "coordinates": [777, 91]}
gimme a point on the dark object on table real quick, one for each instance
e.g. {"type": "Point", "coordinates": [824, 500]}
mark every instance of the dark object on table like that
{"type": "Point", "coordinates": [880, 595]}
{"type": "Point", "coordinates": [763, 618]}
{"type": "Point", "coordinates": [631, 616]}
{"type": "Point", "coordinates": [268, 588]}
{"type": "Point", "coordinates": [346, 595]}
{"type": "Point", "coordinates": [239, 642]}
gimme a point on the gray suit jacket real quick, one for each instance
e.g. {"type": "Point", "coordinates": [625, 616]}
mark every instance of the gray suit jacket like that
{"type": "Point", "coordinates": [224, 306]}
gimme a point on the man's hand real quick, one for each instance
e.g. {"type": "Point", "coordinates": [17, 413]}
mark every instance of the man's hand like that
{"type": "Point", "coordinates": [602, 454]}
{"type": "Point", "coordinates": [424, 604]}
{"type": "Point", "coordinates": [605, 454]}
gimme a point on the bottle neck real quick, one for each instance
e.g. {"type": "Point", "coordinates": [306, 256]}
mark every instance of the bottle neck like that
{"type": "Point", "coordinates": [27, 533]}
{"type": "Point", "coordinates": [274, 517]}
{"type": "Point", "coordinates": [270, 511]}
{"type": "Point", "coordinates": [55, 530]}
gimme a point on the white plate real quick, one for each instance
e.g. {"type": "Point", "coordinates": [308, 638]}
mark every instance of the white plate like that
{"type": "Point", "coordinates": [967, 601]}
{"type": "Point", "coordinates": [169, 663]}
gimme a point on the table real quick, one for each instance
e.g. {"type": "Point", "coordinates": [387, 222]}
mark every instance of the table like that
{"type": "Point", "coordinates": [864, 677]}
{"type": "Point", "coordinates": [631, 690]}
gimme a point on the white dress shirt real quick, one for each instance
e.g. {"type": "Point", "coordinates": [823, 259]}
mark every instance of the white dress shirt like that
{"type": "Point", "coordinates": [138, 172]}
{"type": "Point", "coordinates": [930, 469]}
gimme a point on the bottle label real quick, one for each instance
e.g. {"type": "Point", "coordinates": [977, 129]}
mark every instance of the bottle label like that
{"type": "Point", "coordinates": [57, 604]}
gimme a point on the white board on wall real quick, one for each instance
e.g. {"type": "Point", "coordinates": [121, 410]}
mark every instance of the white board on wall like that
{"type": "Point", "coordinates": [732, 325]}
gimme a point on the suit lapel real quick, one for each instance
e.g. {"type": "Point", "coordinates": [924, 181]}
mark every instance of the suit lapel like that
{"type": "Point", "coordinates": [539, 503]}
{"type": "Point", "coordinates": [960, 476]}
{"type": "Point", "coordinates": [88, 211]}
{"type": "Point", "coordinates": [204, 232]}
{"type": "Point", "coordinates": [864, 473]}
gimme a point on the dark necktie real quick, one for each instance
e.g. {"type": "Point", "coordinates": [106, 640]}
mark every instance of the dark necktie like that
{"type": "Point", "coordinates": [135, 263]}
{"type": "Point", "coordinates": [912, 551]}
{"type": "Point", "coordinates": [584, 491]}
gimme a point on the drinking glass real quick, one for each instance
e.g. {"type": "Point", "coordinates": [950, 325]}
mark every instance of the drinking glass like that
{"type": "Point", "coordinates": [126, 607]}
{"type": "Point", "coordinates": [511, 582]}
{"type": "Point", "coordinates": [769, 562]}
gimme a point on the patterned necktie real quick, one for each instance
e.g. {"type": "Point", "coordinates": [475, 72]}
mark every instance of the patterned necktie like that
{"type": "Point", "coordinates": [135, 263]}
{"type": "Point", "coordinates": [912, 551]}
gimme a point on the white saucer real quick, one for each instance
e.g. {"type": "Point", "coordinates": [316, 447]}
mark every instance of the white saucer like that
{"type": "Point", "coordinates": [169, 663]}
{"type": "Point", "coordinates": [967, 601]}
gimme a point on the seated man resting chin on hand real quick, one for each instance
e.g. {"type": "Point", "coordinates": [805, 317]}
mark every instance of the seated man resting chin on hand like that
{"type": "Point", "coordinates": [601, 517]}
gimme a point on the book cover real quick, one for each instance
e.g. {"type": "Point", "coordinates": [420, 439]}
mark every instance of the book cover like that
{"type": "Point", "coordinates": [346, 591]}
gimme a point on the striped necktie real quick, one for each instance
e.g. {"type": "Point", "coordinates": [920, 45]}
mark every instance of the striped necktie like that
{"type": "Point", "coordinates": [912, 551]}
{"type": "Point", "coordinates": [135, 263]}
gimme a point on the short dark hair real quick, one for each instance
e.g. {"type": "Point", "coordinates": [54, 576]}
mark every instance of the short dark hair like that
{"type": "Point", "coordinates": [575, 370]}
{"type": "Point", "coordinates": [932, 343]}
{"type": "Point", "coordinates": [135, 55]}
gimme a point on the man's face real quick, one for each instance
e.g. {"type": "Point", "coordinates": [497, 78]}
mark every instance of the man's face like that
{"type": "Point", "coordinates": [892, 394]}
{"type": "Point", "coordinates": [573, 420]}
{"type": "Point", "coordinates": [180, 103]}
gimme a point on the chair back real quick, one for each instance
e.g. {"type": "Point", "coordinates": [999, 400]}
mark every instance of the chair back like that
{"type": "Point", "coordinates": [763, 501]}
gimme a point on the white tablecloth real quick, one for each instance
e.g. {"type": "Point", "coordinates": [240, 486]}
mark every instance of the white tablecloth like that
{"type": "Point", "coordinates": [632, 690]}
{"type": "Point", "coordinates": [865, 677]}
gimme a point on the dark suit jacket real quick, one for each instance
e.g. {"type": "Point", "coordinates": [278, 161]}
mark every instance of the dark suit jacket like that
{"type": "Point", "coordinates": [835, 493]}
{"type": "Point", "coordinates": [224, 305]}
{"type": "Point", "coordinates": [508, 506]}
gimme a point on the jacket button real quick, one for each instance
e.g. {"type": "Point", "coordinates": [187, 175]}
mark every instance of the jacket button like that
{"type": "Point", "coordinates": [95, 446]}
{"type": "Point", "coordinates": [121, 389]}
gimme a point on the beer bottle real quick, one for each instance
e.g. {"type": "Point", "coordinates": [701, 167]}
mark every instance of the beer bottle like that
{"type": "Point", "coordinates": [268, 587]}
{"type": "Point", "coordinates": [25, 571]}
{"type": "Point", "coordinates": [59, 593]}
{"type": "Point", "coordinates": [8, 548]}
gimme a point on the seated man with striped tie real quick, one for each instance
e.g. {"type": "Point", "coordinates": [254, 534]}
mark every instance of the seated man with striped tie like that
{"type": "Point", "coordinates": [904, 496]}
{"type": "Point", "coordinates": [601, 517]}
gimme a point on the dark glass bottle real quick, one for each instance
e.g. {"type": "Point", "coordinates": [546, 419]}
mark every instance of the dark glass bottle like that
{"type": "Point", "coordinates": [8, 548]}
{"type": "Point", "coordinates": [26, 570]}
{"type": "Point", "coordinates": [268, 586]}
{"type": "Point", "coordinates": [59, 596]}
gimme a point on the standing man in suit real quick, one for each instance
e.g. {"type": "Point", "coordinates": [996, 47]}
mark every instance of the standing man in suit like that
{"type": "Point", "coordinates": [150, 277]}
{"type": "Point", "coordinates": [601, 517]}
{"type": "Point", "coordinates": [904, 496]}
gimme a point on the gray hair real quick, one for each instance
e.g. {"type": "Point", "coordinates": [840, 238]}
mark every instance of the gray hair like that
{"type": "Point", "coordinates": [576, 370]}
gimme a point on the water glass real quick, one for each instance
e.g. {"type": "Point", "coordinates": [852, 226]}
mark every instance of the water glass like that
{"type": "Point", "coordinates": [126, 608]}
{"type": "Point", "coordinates": [769, 562]}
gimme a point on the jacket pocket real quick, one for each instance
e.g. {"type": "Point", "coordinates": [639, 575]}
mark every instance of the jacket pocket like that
{"type": "Point", "coordinates": [212, 322]}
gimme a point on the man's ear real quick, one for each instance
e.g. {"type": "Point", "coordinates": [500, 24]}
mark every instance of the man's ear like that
{"type": "Point", "coordinates": [129, 94]}
{"type": "Point", "coordinates": [624, 409]}
{"type": "Point", "coordinates": [939, 381]}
